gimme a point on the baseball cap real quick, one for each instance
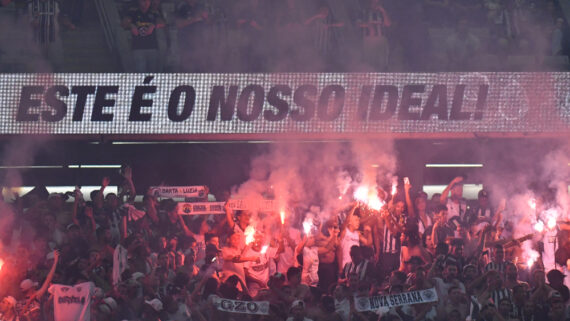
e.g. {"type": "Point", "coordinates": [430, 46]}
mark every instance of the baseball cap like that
{"type": "Point", "coordinates": [554, 274]}
{"type": "Point", "coordinates": [137, 275]}
{"type": "Point", "coordinates": [156, 304]}
{"type": "Point", "coordinates": [27, 284]}
{"type": "Point", "coordinates": [297, 304]}
{"type": "Point", "coordinates": [72, 225]}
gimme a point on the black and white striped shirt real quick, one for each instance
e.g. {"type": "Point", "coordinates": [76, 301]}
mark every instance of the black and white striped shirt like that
{"type": "Point", "coordinates": [499, 267]}
{"type": "Point", "coordinates": [498, 295]}
{"type": "Point", "coordinates": [44, 12]}
{"type": "Point", "coordinates": [391, 242]}
{"type": "Point", "coordinates": [359, 269]}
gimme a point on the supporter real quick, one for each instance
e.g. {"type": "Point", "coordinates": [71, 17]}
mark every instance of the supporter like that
{"type": "Point", "coordinates": [32, 298]}
{"type": "Point", "coordinates": [556, 281]}
{"type": "Point", "coordinates": [388, 239]}
{"type": "Point", "coordinates": [449, 279]}
{"type": "Point", "coordinates": [191, 20]}
{"type": "Point", "coordinates": [299, 290]}
{"type": "Point", "coordinates": [373, 24]}
{"type": "Point", "coordinates": [497, 260]}
{"type": "Point", "coordinates": [349, 236]}
{"type": "Point", "coordinates": [233, 259]}
{"type": "Point", "coordinates": [257, 273]}
{"type": "Point", "coordinates": [520, 298]}
{"type": "Point", "coordinates": [557, 37]}
{"type": "Point", "coordinates": [141, 21]}
{"type": "Point", "coordinates": [411, 247]}
{"type": "Point", "coordinates": [8, 309]}
{"type": "Point", "coordinates": [456, 205]}
{"type": "Point", "coordinates": [43, 18]}
{"type": "Point", "coordinates": [297, 311]}
{"type": "Point", "coordinates": [442, 229]}
{"type": "Point", "coordinates": [418, 210]}
{"type": "Point", "coordinates": [328, 243]}
{"type": "Point", "coordinates": [512, 276]}
{"type": "Point", "coordinates": [456, 302]}
{"type": "Point", "coordinates": [495, 290]}
{"type": "Point", "coordinates": [153, 271]}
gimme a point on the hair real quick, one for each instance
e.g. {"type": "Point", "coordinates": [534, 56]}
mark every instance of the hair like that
{"type": "Point", "coordinates": [440, 207]}
{"type": "Point", "coordinates": [497, 247]}
{"type": "Point", "coordinates": [453, 288]}
{"type": "Point", "coordinates": [441, 248]}
{"type": "Point", "coordinates": [356, 250]}
{"type": "Point", "coordinates": [401, 276]}
{"type": "Point", "coordinates": [413, 235]}
{"type": "Point", "coordinates": [325, 228]}
{"type": "Point", "coordinates": [292, 272]}
{"type": "Point", "coordinates": [209, 236]}
{"type": "Point", "coordinates": [327, 303]}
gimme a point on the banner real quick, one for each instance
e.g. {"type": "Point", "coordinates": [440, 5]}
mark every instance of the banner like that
{"type": "Point", "coordinates": [180, 191]}
{"type": "Point", "coordinates": [201, 208]}
{"type": "Point", "coordinates": [299, 105]}
{"type": "Point", "coordinates": [247, 307]}
{"type": "Point", "coordinates": [374, 303]}
{"type": "Point", "coordinates": [261, 205]}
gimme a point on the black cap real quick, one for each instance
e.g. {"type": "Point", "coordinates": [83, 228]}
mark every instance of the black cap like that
{"type": "Point", "coordinates": [483, 193]}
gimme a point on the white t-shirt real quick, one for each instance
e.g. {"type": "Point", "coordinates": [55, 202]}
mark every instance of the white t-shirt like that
{"type": "Point", "coordinates": [229, 267]}
{"type": "Point", "coordinates": [442, 289]}
{"type": "Point", "coordinates": [260, 270]}
{"type": "Point", "coordinates": [287, 257]}
{"type": "Point", "coordinates": [349, 240]}
{"type": "Point", "coordinates": [310, 274]}
{"type": "Point", "coordinates": [72, 303]}
{"type": "Point", "coordinates": [456, 209]}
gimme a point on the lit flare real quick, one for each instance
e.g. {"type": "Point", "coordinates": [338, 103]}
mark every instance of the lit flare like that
{"type": "Point", "coordinates": [307, 226]}
{"type": "Point", "coordinates": [539, 226]}
{"type": "Point", "coordinates": [249, 234]}
{"type": "Point", "coordinates": [264, 249]}
{"type": "Point", "coordinates": [533, 256]}
{"type": "Point", "coordinates": [532, 203]}
{"type": "Point", "coordinates": [282, 214]}
{"type": "Point", "coordinates": [369, 197]}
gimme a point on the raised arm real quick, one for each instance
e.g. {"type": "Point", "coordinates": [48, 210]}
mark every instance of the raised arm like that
{"type": "Point", "coordinates": [98, 202]}
{"type": "Point", "coordinates": [348, 217]}
{"type": "Point", "coordinates": [39, 293]}
{"type": "Point", "coordinates": [229, 215]}
{"type": "Point", "coordinates": [409, 203]}
{"type": "Point", "coordinates": [128, 175]}
{"type": "Point", "coordinates": [445, 193]}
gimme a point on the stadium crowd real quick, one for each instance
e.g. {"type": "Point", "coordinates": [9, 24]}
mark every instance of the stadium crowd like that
{"type": "Point", "coordinates": [318, 35]}
{"type": "Point", "coordinates": [112, 259]}
{"type": "Point", "coordinates": [364, 35]}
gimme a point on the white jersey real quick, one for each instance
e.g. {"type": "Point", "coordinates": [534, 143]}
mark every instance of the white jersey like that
{"type": "Point", "coordinates": [349, 240]}
{"type": "Point", "coordinates": [287, 257]}
{"type": "Point", "coordinates": [72, 303]}
{"type": "Point", "coordinates": [456, 209]}
{"type": "Point", "coordinates": [259, 270]}
{"type": "Point", "coordinates": [310, 274]}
